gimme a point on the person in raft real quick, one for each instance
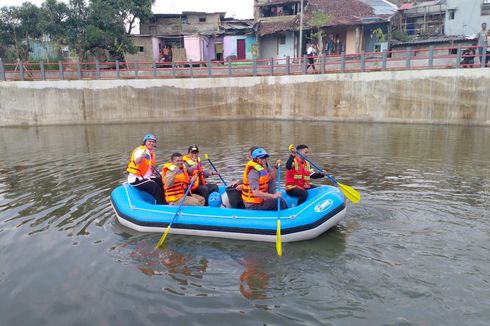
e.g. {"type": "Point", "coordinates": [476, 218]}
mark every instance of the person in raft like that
{"type": "Point", "coordinates": [299, 173]}
{"type": "Point", "coordinates": [193, 164]}
{"type": "Point", "coordinates": [176, 180]}
{"type": "Point", "coordinates": [141, 169]}
{"type": "Point", "coordinates": [259, 189]}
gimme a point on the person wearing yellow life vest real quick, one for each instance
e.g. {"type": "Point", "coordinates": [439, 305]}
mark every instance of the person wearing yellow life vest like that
{"type": "Point", "coordinates": [192, 162]}
{"type": "Point", "coordinates": [141, 169]}
{"type": "Point", "coordinates": [176, 180]}
{"type": "Point", "coordinates": [259, 188]}
{"type": "Point", "coordinates": [299, 173]}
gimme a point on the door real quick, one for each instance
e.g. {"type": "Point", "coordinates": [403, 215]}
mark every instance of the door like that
{"type": "Point", "coordinates": [240, 49]}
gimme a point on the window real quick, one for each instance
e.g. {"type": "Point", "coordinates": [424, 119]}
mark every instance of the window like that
{"type": "Point", "coordinates": [485, 8]}
{"type": "Point", "coordinates": [202, 19]}
{"type": "Point", "coordinates": [450, 14]}
{"type": "Point", "coordinates": [141, 48]}
{"type": "Point", "coordinates": [281, 39]}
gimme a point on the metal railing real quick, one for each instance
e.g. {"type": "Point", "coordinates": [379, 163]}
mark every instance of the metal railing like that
{"type": "Point", "coordinates": [396, 60]}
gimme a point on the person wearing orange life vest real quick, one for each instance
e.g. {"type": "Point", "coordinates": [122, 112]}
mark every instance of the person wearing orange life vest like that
{"type": "Point", "coordinates": [299, 173]}
{"type": "Point", "coordinates": [259, 189]}
{"type": "Point", "coordinates": [193, 164]}
{"type": "Point", "coordinates": [176, 180]}
{"type": "Point", "coordinates": [141, 169]}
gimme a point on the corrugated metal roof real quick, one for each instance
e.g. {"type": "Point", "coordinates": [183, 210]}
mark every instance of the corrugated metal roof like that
{"type": "Point", "coordinates": [433, 40]}
{"type": "Point", "coordinates": [381, 7]}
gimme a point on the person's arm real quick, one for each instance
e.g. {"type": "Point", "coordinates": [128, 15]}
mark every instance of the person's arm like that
{"type": "Point", "coordinates": [317, 175]}
{"type": "Point", "coordinates": [208, 173]}
{"type": "Point", "coordinates": [253, 179]}
{"type": "Point", "coordinates": [139, 154]}
{"type": "Point", "coordinates": [190, 168]}
{"type": "Point", "coordinates": [290, 161]}
{"type": "Point", "coordinates": [168, 179]}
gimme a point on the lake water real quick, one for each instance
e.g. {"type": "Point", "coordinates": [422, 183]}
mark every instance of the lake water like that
{"type": "Point", "coordinates": [414, 251]}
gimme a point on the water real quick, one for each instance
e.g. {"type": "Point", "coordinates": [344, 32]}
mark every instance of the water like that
{"type": "Point", "coordinates": [414, 251]}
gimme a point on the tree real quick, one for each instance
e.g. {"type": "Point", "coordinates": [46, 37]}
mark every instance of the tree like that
{"type": "Point", "coordinates": [53, 22]}
{"type": "Point", "coordinates": [131, 10]}
{"type": "Point", "coordinates": [76, 24]}
{"type": "Point", "coordinates": [18, 26]}
{"type": "Point", "coordinates": [319, 20]}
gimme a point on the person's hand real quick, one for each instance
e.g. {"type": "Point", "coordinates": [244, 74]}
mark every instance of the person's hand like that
{"type": "Point", "coordinates": [292, 149]}
{"type": "Point", "coordinates": [239, 187]}
{"type": "Point", "coordinates": [324, 173]}
{"type": "Point", "coordinates": [193, 179]}
{"type": "Point", "coordinates": [278, 162]}
{"type": "Point", "coordinates": [276, 195]}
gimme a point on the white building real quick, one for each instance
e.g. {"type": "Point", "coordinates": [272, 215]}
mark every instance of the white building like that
{"type": "Point", "coordinates": [464, 17]}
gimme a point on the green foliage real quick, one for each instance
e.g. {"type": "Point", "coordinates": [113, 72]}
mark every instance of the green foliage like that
{"type": "Point", "coordinates": [400, 35]}
{"type": "Point", "coordinates": [95, 28]}
{"type": "Point", "coordinates": [378, 34]}
{"type": "Point", "coordinates": [18, 26]}
{"type": "Point", "coordinates": [317, 21]}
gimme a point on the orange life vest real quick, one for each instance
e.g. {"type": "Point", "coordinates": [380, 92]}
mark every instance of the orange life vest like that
{"type": "Point", "coordinates": [199, 171]}
{"type": "Point", "coordinates": [181, 182]}
{"type": "Point", "coordinates": [247, 194]}
{"type": "Point", "coordinates": [142, 167]}
{"type": "Point", "coordinates": [299, 175]}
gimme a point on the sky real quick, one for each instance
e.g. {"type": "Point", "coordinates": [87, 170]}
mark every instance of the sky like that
{"type": "Point", "coordinates": [234, 8]}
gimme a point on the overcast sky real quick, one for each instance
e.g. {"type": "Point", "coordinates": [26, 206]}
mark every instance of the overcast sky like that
{"type": "Point", "coordinates": [233, 8]}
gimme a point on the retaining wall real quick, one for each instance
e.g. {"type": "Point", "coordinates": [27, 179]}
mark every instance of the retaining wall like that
{"type": "Point", "coordinates": [453, 96]}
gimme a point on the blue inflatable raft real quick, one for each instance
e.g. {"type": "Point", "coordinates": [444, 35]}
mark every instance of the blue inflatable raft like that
{"type": "Point", "coordinates": [324, 208]}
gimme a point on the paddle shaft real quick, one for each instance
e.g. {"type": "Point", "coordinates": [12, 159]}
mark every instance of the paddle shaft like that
{"type": "Point", "coordinates": [329, 176]}
{"type": "Point", "coordinates": [162, 239]}
{"type": "Point", "coordinates": [219, 175]}
{"type": "Point", "coordinates": [278, 230]}
{"type": "Point", "coordinates": [352, 194]}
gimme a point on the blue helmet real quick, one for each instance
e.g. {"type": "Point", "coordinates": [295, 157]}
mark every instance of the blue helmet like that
{"type": "Point", "coordinates": [149, 137]}
{"type": "Point", "coordinates": [259, 153]}
{"type": "Point", "coordinates": [214, 199]}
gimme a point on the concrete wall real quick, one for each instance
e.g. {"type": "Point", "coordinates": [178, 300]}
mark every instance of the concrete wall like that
{"type": "Point", "coordinates": [457, 96]}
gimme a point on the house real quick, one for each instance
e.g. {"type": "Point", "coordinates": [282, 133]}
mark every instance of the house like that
{"type": "Point", "coordinates": [348, 28]}
{"type": "Point", "coordinates": [446, 25]}
{"type": "Point", "coordinates": [196, 36]}
{"type": "Point", "coordinates": [423, 18]}
{"type": "Point", "coordinates": [239, 41]}
{"type": "Point", "coordinates": [464, 17]}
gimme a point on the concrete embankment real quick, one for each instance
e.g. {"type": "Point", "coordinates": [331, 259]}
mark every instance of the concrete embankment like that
{"type": "Point", "coordinates": [456, 96]}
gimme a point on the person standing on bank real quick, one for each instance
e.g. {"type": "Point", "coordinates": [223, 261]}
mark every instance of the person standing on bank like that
{"type": "Point", "coordinates": [176, 180]}
{"type": "Point", "coordinates": [299, 173]}
{"type": "Point", "coordinates": [259, 189]}
{"type": "Point", "coordinates": [482, 41]}
{"type": "Point", "coordinates": [141, 169]}
{"type": "Point", "coordinates": [193, 165]}
{"type": "Point", "coordinates": [311, 52]}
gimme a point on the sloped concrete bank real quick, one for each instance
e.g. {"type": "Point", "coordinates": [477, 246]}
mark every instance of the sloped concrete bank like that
{"type": "Point", "coordinates": [456, 96]}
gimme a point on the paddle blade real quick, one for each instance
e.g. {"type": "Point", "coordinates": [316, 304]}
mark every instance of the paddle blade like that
{"type": "Point", "coordinates": [162, 239]}
{"type": "Point", "coordinates": [349, 192]}
{"type": "Point", "coordinates": [278, 239]}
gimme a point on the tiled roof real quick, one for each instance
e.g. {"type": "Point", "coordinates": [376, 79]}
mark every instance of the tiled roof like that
{"type": "Point", "coordinates": [345, 12]}
{"type": "Point", "coordinates": [277, 24]}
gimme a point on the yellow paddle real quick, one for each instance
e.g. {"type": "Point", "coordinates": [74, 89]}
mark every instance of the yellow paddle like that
{"type": "Point", "coordinates": [162, 239]}
{"type": "Point", "coordinates": [278, 231]}
{"type": "Point", "coordinates": [349, 192]}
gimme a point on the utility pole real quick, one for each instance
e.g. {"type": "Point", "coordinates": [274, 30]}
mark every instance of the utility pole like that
{"type": "Point", "coordinates": [300, 46]}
